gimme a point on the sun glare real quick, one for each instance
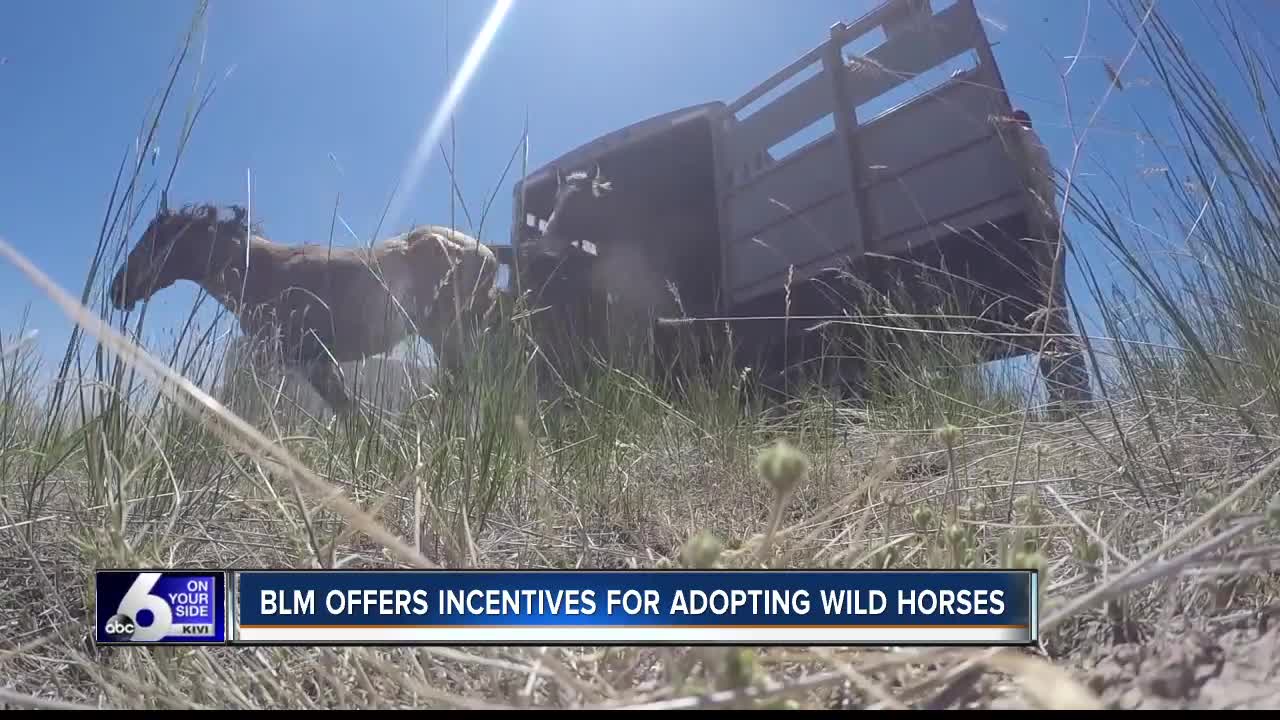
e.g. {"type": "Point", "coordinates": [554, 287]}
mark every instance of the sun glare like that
{"type": "Point", "coordinates": [421, 156]}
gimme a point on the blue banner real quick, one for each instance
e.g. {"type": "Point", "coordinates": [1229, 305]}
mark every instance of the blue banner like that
{"type": "Point", "coordinates": [637, 607]}
{"type": "Point", "coordinates": [165, 607]}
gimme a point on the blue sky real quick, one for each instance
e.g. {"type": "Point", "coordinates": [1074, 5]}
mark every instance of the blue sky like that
{"type": "Point", "coordinates": [312, 81]}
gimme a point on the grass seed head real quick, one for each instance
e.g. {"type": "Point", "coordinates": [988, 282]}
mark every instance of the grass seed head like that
{"type": "Point", "coordinates": [702, 550]}
{"type": "Point", "coordinates": [949, 435]}
{"type": "Point", "coordinates": [783, 466]}
{"type": "Point", "coordinates": [922, 518]}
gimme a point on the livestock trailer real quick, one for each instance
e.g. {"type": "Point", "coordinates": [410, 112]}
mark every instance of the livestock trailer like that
{"type": "Point", "coordinates": [843, 176]}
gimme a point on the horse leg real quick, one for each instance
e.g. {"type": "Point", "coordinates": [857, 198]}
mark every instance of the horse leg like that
{"type": "Point", "coordinates": [1062, 362]}
{"type": "Point", "coordinates": [326, 378]}
{"type": "Point", "coordinates": [252, 382]}
{"type": "Point", "coordinates": [453, 328]}
{"type": "Point", "coordinates": [443, 334]}
{"type": "Point", "coordinates": [249, 379]}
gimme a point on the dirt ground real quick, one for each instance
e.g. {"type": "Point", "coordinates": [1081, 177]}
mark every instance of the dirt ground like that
{"type": "Point", "coordinates": [1229, 661]}
{"type": "Point", "coordinates": [1192, 665]}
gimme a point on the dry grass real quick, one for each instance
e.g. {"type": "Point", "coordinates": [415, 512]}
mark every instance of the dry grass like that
{"type": "Point", "coordinates": [871, 498]}
{"type": "Point", "coordinates": [1151, 514]}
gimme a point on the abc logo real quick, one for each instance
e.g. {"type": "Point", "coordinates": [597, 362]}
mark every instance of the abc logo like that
{"type": "Point", "coordinates": [120, 627]}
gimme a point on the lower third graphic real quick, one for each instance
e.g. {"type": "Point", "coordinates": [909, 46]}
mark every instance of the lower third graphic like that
{"type": "Point", "coordinates": [169, 607]}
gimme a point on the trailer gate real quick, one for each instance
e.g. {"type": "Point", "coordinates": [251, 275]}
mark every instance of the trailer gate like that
{"type": "Point", "coordinates": [877, 184]}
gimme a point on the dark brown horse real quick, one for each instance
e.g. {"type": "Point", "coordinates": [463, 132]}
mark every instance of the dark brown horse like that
{"type": "Point", "coordinates": [577, 210]}
{"type": "Point", "coordinates": [622, 275]}
{"type": "Point", "coordinates": [316, 306]}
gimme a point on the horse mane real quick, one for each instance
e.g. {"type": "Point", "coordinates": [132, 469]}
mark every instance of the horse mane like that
{"type": "Point", "coordinates": [213, 217]}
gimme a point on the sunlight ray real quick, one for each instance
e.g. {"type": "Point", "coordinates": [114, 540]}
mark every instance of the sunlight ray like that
{"type": "Point", "coordinates": [418, 161]}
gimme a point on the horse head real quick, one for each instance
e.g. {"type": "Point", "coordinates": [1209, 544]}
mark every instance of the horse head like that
{"type": "Point", "coordinates": [168, 250]}
{"type": "Point", "coordinates": [577, 210]}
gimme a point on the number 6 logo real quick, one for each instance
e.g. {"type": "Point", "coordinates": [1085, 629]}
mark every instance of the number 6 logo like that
{"type": "Point", "coordinates": [139, 598]}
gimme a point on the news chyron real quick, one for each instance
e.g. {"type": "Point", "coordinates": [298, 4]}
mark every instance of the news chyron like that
{"type": "Point", "coordinates": [161, 607]}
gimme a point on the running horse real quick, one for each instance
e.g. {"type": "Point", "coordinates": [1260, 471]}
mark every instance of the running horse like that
{"type": "Point", "coordinates": [317, 305]}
